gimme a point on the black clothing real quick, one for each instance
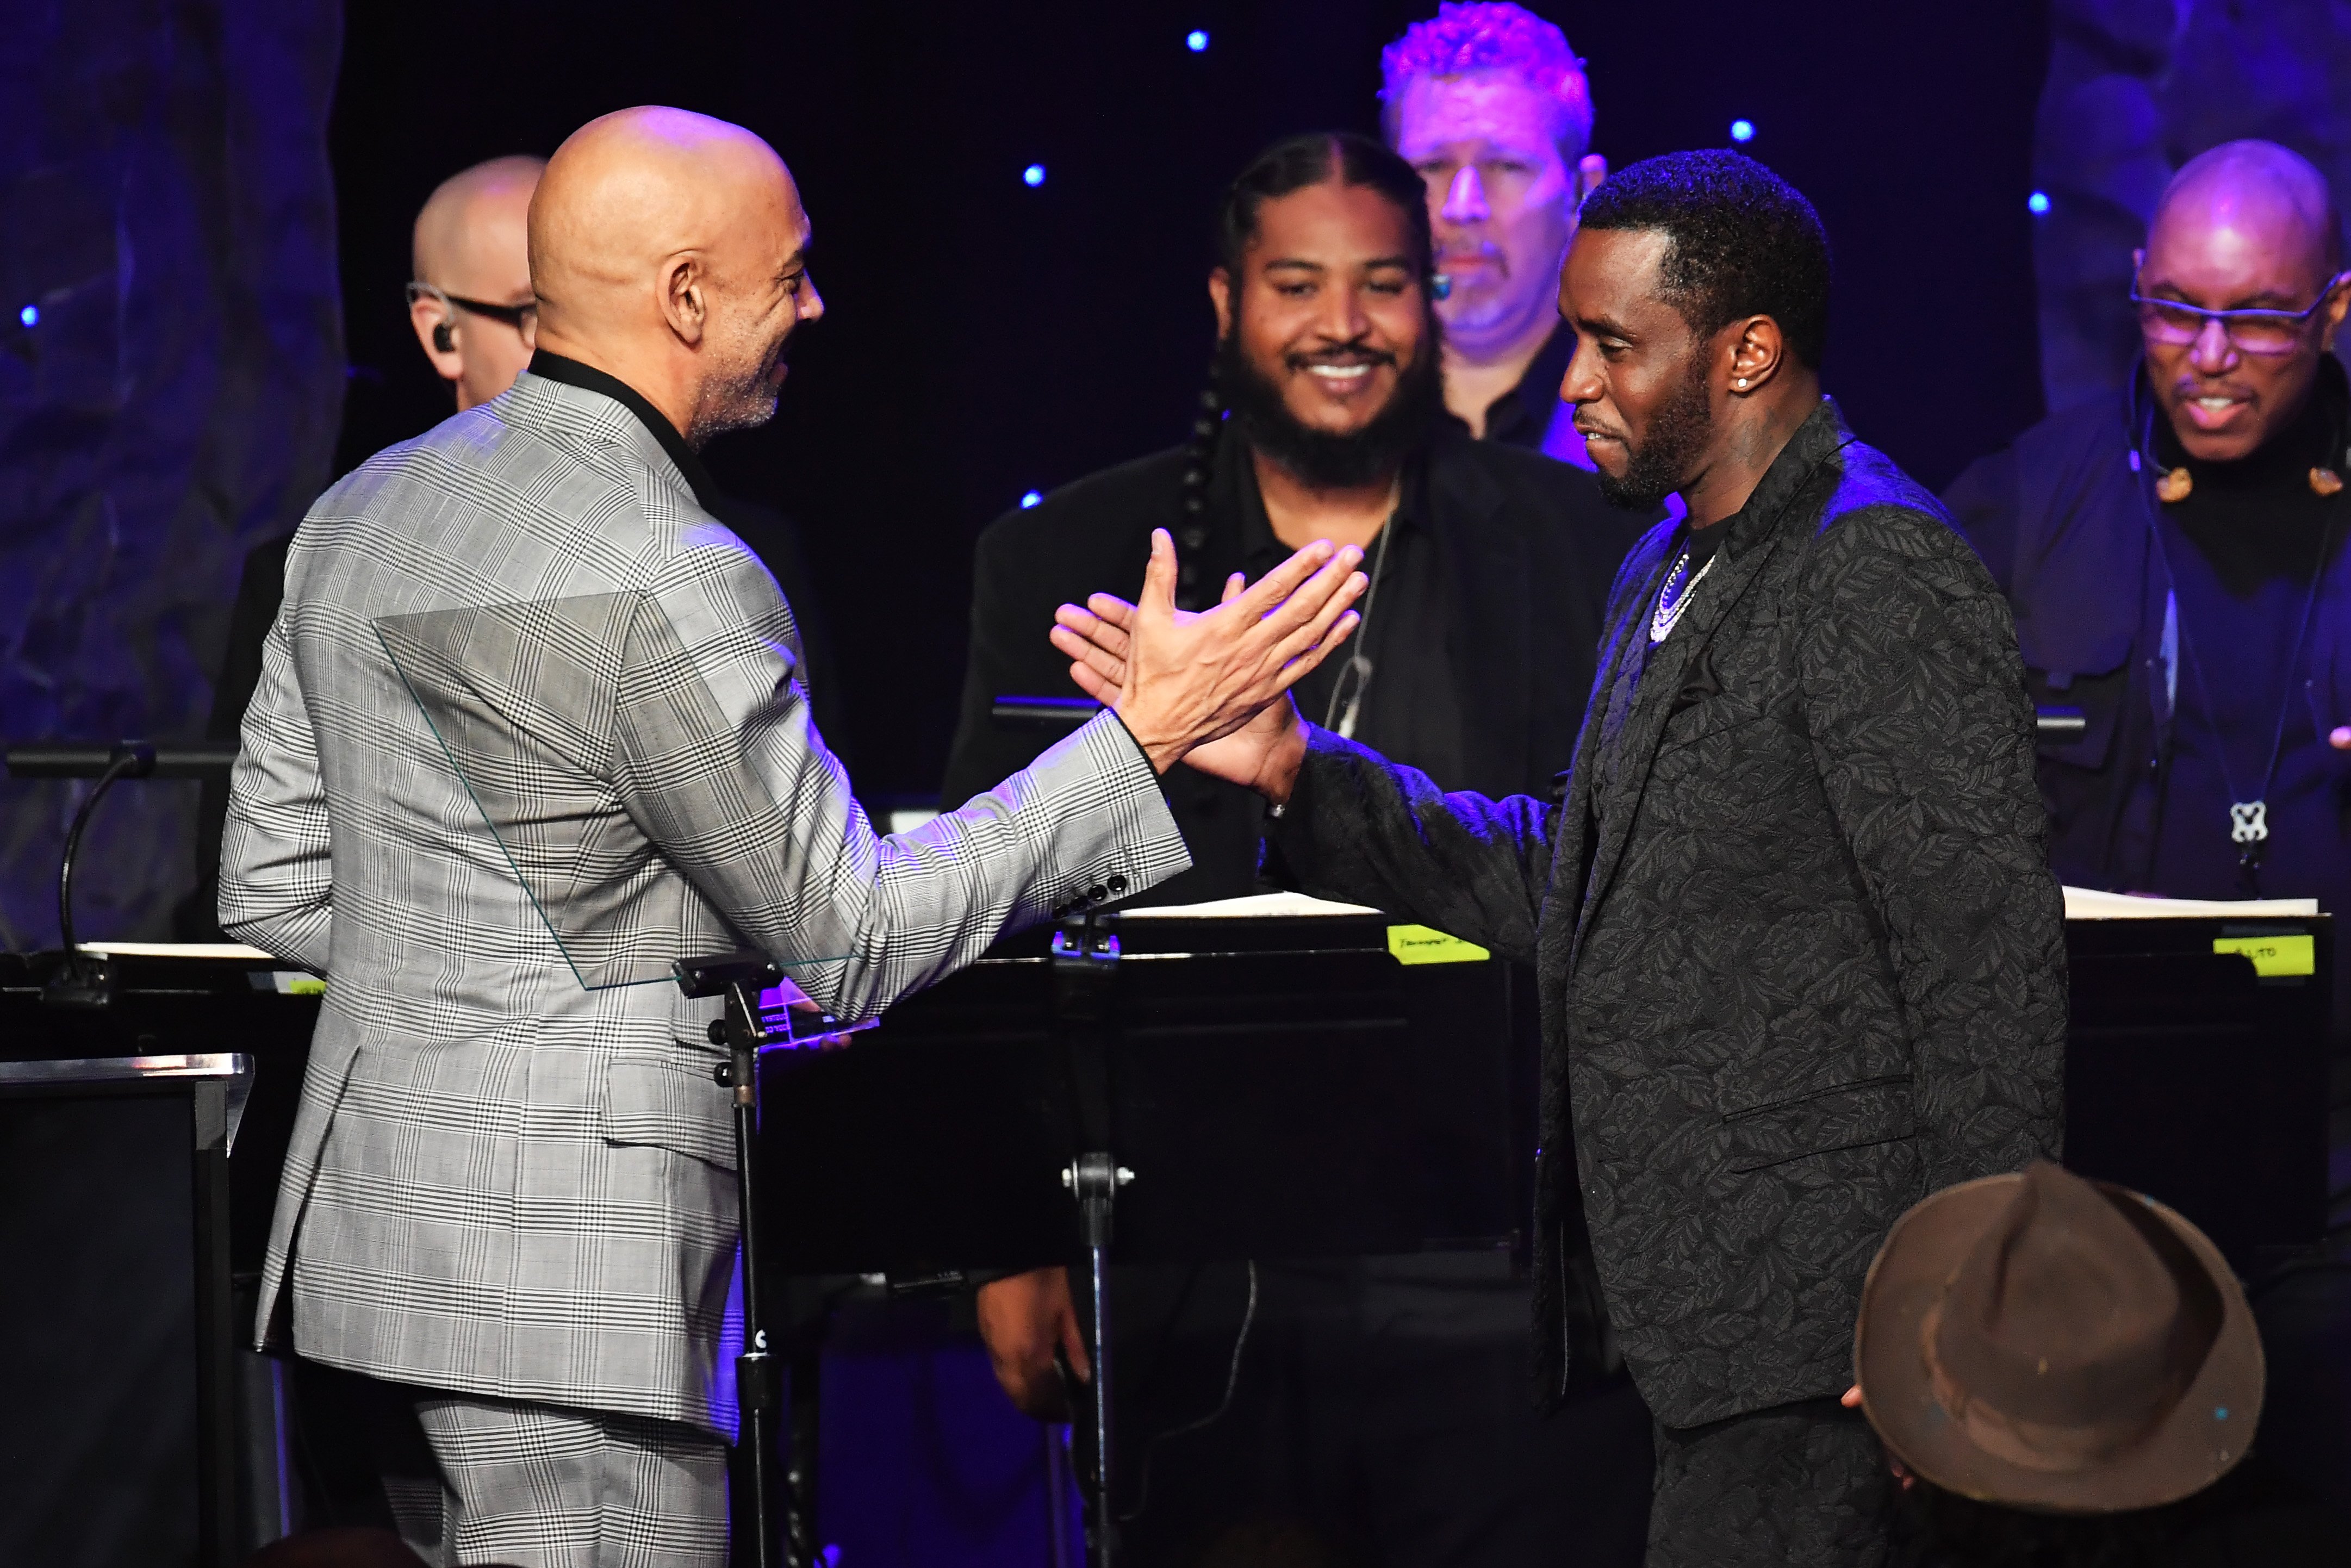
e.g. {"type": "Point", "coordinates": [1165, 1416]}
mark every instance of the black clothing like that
{"type": "Point", "coordinates": [1382, 1402]}
{"type": "Point", "coordinates": [2138, 801]}
{"type": "Point", "coordinates": [261, 586]}
{"type": "Point", "coordinates": [1804, 1482]}
{"type": "Point", "coordinates": [1808, 967]}
{"type": "Point", "coordinates": [1505, 597]}
{"type": "Point", "coordinates": [1522, 416]}
{"type": "Point", "coordinates": [1408, 702]}
{"type": "Point", "coordinates": [1386, 1420]}
{"type": "Point", "coordinates": [2245, 549]}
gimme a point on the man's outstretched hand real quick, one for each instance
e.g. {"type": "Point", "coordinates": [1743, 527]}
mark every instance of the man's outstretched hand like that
{"type": "Point", "coordinates": [1181, 681]}
{"type": "Point", "coordinates": [1264, 753]}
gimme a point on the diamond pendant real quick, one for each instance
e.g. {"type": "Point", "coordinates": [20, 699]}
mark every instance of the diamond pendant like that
{"type": "Point", "coordinates": [2249, 821]}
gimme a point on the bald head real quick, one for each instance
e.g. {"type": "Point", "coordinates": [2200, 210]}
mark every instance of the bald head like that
{"type": "Point", "coordinates": [2254, 195]}
{"type": "Point", "coordinates": [2249, 225]}
{"type": "Point", "coordinates": [669, 249]}
{"type": "Point", "coordinates": [470, 244]}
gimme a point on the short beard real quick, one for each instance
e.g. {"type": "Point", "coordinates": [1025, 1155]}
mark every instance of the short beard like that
{"type": "Point", "coordinates": [741, 398]}
{"type": "Point", "coordinates": [1677, 433]}
{"type": "Point", "coordinates": [1321, 459]}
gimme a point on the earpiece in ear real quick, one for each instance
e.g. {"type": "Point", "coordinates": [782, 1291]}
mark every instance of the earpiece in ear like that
{"type": "Point", "coordinates": [443, 343]}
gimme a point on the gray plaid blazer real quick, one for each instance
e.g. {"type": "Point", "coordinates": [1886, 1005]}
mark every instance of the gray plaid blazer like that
{"type": "Point", "coordinates": [530, 726]}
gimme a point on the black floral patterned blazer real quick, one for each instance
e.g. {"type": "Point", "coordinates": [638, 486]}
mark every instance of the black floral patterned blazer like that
{"type": "Point", "coordinates": [1801, 961]}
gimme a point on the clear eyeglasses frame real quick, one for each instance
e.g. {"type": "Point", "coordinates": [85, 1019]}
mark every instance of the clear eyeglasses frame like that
{"type": "Point", "coordinates": [2266, 332]}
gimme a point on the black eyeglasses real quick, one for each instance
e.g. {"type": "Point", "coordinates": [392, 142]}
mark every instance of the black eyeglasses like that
{"type": "Point", "coordinates": [523, 318]}
{"type": "Point", "coordinates": [2254, 332]}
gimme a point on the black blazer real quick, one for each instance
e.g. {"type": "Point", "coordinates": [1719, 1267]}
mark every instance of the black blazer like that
{"type": "Point", "coordinates": [1528, 548]}
{"type": "Point", "coordinates": [1808, 967]}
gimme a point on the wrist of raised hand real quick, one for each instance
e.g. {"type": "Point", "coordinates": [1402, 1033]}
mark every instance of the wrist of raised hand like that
{"type": "Point", "coordinates": [1277, 778]}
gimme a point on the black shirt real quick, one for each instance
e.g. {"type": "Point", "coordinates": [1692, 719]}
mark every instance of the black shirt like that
{"type": "Point", "coordinates": [2245, 548]}
{"type": "Point", "coordinates": [1480, 670]}
{"type": "Point", "coordinates": [1522, 416]}
{"type": "Point", "coordinates": [1405, 640]}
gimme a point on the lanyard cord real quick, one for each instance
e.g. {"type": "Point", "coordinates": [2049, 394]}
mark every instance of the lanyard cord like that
{"type": "Point", "coordinates": [2250, 856]}
{"type": "Point", "coordinates": [1357, 666]}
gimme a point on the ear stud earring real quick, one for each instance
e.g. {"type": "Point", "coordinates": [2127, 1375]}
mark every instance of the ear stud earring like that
{"type": "Point", "coordinates": [1740, 381]}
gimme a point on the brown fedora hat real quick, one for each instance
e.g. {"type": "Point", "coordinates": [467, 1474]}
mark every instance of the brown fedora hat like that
{"type": "Point", "coordinates": [2048, 1342]}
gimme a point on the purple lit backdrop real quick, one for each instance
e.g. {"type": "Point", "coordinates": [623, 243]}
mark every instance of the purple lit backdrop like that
{"type": "Point", "coordinates": [987, 336]}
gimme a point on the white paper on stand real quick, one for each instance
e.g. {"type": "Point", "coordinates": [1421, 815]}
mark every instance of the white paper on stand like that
{"type": "Point", "coordinates": [2089, 903]}
{"type": "Point", "coordinates": [1258, 906]}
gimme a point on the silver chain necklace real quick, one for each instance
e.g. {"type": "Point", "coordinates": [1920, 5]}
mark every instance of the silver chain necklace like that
{"type": "Point", "coordinates": [1674, 594]}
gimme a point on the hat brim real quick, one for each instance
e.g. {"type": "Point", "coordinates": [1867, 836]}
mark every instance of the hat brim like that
{"type": "Point", "coordinates": [2195, 1443]}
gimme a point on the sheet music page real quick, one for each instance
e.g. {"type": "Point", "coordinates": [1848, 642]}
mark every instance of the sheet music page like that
{"type": "Point", "coordinates": [1258, 906]}
{"type": "Point", "coordinates": [2089, 903]}
{"type": "Point", "coordinates": [236, 950]}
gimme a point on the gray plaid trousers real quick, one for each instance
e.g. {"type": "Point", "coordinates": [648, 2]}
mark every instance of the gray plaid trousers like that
{"type": "Point", "coordinates": [542, 1487]}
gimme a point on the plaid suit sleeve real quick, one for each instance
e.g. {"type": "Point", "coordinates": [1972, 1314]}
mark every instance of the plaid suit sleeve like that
{"type": "Point", "coordinates": [715, 758]}
{"type": "Point", "coordinates": [277, 881]}
{"type": "Point", "coordinates": [1923, 735]}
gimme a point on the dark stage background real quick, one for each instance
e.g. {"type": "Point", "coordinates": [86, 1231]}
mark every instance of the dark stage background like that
{"type": "Point", "coordinates": [984, 338]}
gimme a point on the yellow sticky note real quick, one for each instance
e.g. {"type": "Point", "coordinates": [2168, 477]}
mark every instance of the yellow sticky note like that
{"type": "Point", "coordinates": [1419, 944]}
{"type": "Point", "coordinates": [2273, 957]}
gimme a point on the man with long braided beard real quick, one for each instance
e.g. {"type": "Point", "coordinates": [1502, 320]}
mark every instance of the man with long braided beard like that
{"type": "Point", "coordinates": [1401, 1384]}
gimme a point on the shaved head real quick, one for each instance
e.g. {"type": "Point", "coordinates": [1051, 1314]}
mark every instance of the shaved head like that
{"type": "Point", "coordinates": [2249, 226]}
{"type": "Point", "coordinates": [469, 245]}
{"type": "Point", "coordinates": [669, 249]}
{"type": "Point", "coordinates": [2256, 192]}
{"type": "Point", "coordinates": [469, 231]}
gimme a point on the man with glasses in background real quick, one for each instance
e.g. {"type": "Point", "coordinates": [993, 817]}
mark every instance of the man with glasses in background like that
{"type": "Point", "coordinates": [2176, 559]}
{"type": "Point", "coordinates": [471, 302]}
{"type": "Point", "coordinates": [2177, 562]}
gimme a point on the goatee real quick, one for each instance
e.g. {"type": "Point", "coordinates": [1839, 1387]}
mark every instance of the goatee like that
{"type": "Point", "coordinates": [1322, 458]}
{"type": "Point", "coordinates": [1677, 435]}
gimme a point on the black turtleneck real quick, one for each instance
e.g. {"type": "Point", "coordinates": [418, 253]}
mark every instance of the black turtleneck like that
{"type": "Point", "coordinates": [2245, 547]}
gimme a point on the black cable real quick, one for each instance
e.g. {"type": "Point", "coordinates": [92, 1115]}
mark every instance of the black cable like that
{"type": "Point", "coordinates": [1232, 1382]}
{"type": "Point", "coordinates": [129, 761]}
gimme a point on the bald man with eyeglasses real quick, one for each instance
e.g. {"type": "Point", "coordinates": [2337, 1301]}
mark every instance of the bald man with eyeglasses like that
{"type": "Point", "coordinates": [2177, 560]}
{"type": "Point", "coordinates": [471, 302]}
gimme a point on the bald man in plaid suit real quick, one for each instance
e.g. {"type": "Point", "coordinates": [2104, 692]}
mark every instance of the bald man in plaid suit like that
{"type": "Point", "coordinates": [531, 727]}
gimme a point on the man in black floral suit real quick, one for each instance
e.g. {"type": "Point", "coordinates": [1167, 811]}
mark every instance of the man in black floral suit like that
{"type": "Point", "coordinates": [1801, 962]}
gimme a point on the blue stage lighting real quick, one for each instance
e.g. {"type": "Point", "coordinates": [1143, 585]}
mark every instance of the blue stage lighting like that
{"type": "Point", "coordinates": [1742, 130]}
{"type": "Point", "coordinates": [1030, 497]}
{"type": "Point", "coordinates": [1033, 176]}
{"type": "Point", "coordinates": [2037, 203]}
{"type": "Point", "coordinates": [1196, 40]}
{"type": "Point", "coordinates": [30, 316]}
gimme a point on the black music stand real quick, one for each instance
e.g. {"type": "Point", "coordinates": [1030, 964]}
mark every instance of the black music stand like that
{"type": "Point", "coordinates": [1271, 1087]}
{"type": "Point", "coordinates": [748, 1028]}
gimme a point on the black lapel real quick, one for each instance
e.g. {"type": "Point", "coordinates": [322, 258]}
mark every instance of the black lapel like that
{"type": "Point", "coordinates": [1755, 534]}
{"type": "Point", "coordinates": [1487, 562]}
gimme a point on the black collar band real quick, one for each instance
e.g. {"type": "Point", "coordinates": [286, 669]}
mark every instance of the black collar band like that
{"type": "Point", "coordinates": [588, 378]}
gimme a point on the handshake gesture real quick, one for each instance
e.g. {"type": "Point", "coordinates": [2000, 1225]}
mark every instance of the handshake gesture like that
{"type": "Point", "coordinates": [1211, 688]}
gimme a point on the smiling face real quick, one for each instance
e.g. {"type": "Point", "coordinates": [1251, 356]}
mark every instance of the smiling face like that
{"type": "Point", "coordinates": [1501, 195]}
{"type": "Point", "coordinates": [1330, 310]}
{"type": "Point", "coordinates": [760, 292]}
{"type": "Point", "coordinates": [2226, 243]}
{"type": "Point", "coordinates": [1641, 378]}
